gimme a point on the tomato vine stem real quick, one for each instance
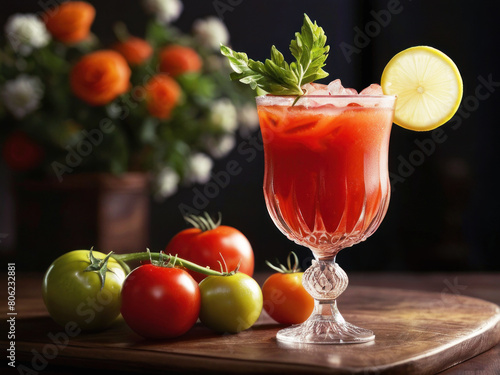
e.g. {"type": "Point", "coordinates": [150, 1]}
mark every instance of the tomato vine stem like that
{"type": "Point", "coordinates": [282, 269]}
{"type": "Point", "coordinates": [204, 223]}
{"type": "Point", "coordinates": [167, 257]}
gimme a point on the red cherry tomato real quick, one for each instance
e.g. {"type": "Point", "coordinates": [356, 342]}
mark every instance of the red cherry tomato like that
{"type": "Point", "coordinates": [206, 246]}
{"type": "Point", "coordinates": [160, 302]}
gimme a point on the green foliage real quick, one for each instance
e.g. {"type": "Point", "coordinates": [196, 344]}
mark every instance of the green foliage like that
{"type": "Point", "coordinates": [130, 138]}
{"type": "Point", "coordinates": [275, 76]}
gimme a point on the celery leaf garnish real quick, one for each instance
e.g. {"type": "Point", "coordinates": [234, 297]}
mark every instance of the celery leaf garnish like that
{"type": "Point", "coordinates": [275, 76]}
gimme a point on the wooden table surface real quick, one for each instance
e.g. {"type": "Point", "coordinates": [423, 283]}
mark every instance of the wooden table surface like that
{"type": "Point", "coordinates": [483, 286]}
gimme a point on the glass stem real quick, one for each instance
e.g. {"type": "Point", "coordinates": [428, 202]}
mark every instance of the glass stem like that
{"type": "Point", "coordinates": [325, 280]}
{"type": "Point", "coordinates": [328, 310]}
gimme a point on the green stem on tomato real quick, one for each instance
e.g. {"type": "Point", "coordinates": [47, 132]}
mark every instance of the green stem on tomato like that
{"type": "Point", "coordinates": [204, 223]}
{"type": "Point", "coordinates": [124, 265]}
{"type": "Point", "coordinates": [282, 269]}
{"type": "Point", "coordinates": [156, 256]}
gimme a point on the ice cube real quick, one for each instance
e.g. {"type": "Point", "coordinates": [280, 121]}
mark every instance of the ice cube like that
{"type": "Point", "coordinates": [336, 88]}
{"type": "Point", "coordinates": [350, 91]}
{"type": "Point", "coordinates": [322, 92]}
{"type": "Point", "coordinates": [315, 89]}
{"type": "Point", "coordinates": [308, 88]}
{"type": "Point", "coordinates": [373, 89]}
{"type": "Point", "coordinates": [319, 86]}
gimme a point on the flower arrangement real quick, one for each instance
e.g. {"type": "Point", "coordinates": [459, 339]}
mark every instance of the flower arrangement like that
{"type": "Point", "coordinates": [161, 104]}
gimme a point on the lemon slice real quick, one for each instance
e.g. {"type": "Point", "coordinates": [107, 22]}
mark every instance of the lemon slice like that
{"type": "Point", "coordinates": [428, 87]}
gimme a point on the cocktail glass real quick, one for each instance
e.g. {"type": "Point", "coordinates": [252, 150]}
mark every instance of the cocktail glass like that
{"type": "Point", "coordinates": [326, 187]}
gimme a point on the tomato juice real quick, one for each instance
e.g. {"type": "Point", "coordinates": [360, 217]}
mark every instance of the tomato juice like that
{"type": "Point", "coordinates": [326, 180]}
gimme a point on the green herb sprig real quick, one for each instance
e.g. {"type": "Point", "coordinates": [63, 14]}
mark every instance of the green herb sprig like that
{"type": "Point", "coordinates": [275, 76]}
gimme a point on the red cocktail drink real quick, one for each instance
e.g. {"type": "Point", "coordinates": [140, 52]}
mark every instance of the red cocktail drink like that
{"type": "Point", "coordinates": [326, 180]}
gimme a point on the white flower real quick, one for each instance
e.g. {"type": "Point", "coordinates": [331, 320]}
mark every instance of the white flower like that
{"type": "Point", "coordinates": [22, 95]}
{"type": "Point", "coordinates": [211, 32]}
{"type": "Point", "coordinates": [219, 147]}
{"type": "Point", "coordinates": [223, 115]}
{"type": "Point", "coordinates": [114, 110]}
{"type": "Point", "coordinates": [25, 32]}
{"type": "Point", "coordinates": [248, 119]}
{"type": "Point", "coordinates": [199, 168]}
{"type": "Point", "coordinates": [166, 11]}
{"type": "Point", "coordinates": [214, 63]}
{"type": "Point", "coordinates": [167, 183]}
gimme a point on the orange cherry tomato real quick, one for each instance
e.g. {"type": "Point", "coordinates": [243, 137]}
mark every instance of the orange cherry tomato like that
{"type": "Point", "coordinates": [285, 299]}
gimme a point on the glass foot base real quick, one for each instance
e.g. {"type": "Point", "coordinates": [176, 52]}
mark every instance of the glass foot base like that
{"type": "Point", "coordinates": [318, 330]}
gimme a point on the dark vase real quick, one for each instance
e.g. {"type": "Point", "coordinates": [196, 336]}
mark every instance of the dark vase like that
{"type": "Point", "coordinates": [107, 212]}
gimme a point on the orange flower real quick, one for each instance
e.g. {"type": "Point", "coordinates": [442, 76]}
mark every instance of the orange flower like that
{"type": "Point", "coordinates": [135, 50]}
{"type": "Point", "coordinates": [70, 22]}
{"type": "Point", "coordinates": [100, 77]}
{"type": "Point", "coordinates": [176, 60]}
{"type": "Point", "coordinates": [162, 95]}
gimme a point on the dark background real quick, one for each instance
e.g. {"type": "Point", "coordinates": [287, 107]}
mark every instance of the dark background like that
{"type": "Point", "coordinates": [444, 210]}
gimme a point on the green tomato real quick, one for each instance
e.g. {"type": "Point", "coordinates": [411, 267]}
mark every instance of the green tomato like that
{"type": "Point", "coordinates": [230, 303]}
{"type": "Point", "coordinates": [73, 295]}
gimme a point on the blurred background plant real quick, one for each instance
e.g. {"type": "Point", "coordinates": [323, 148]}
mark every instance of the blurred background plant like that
{"type": "Point", "coordinates": [160, 104]}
